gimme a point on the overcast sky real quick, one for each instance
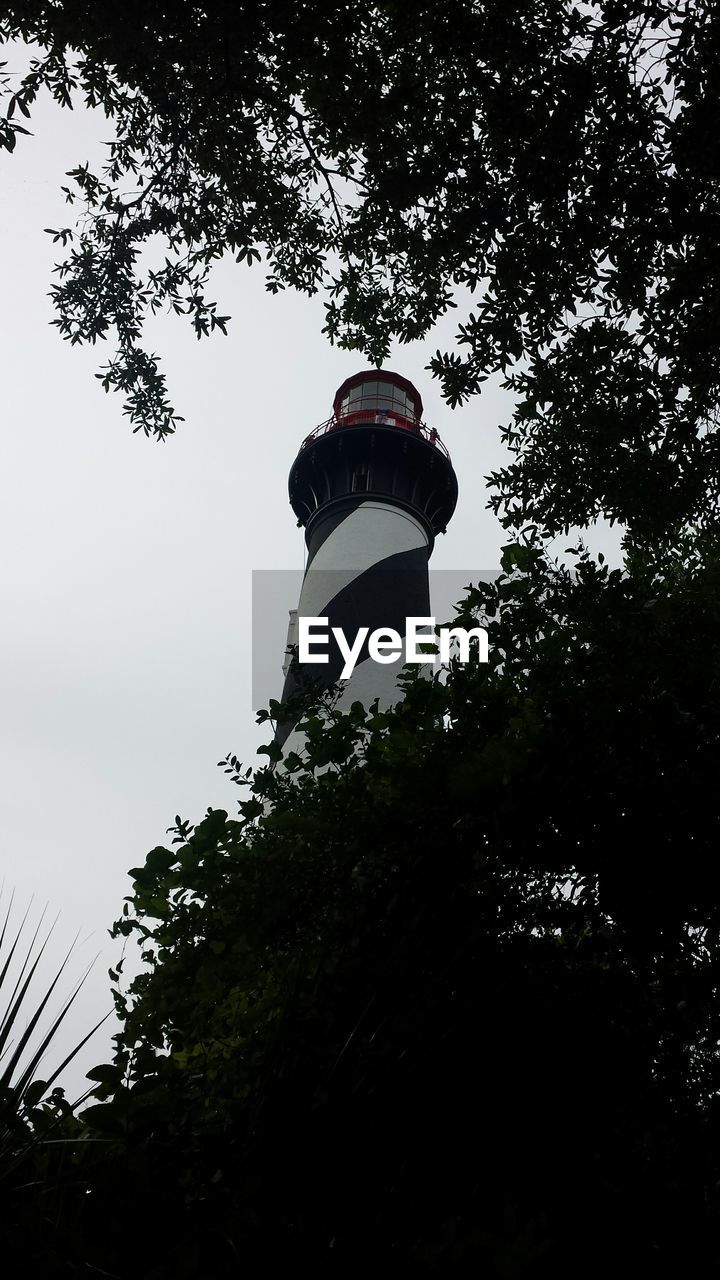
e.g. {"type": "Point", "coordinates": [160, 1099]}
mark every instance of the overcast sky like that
{"type": "Point", "coordinates": [126, 566]}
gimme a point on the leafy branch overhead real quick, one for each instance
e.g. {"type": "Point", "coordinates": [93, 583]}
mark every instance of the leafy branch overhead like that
{"type": "Point", "coordinates": [558, 161]}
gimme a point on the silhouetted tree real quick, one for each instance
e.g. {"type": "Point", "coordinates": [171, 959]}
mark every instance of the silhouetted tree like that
{"type": "Point", "coordinates": [443, 998]}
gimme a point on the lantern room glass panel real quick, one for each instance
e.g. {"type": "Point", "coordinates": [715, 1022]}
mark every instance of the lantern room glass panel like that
{"type": "Point", "coordinates": [376, 396]}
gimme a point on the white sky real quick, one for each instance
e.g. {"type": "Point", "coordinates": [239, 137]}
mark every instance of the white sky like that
{"type": "Point", "coordinates": [126, 565]}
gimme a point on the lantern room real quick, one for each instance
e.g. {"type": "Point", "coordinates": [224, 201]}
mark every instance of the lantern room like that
{"type": "Point", "coordinates": [378, 396]}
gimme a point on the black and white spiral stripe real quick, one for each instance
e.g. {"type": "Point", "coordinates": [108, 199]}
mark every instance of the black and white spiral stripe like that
{"type": "Point", "coordinates": [367, 567]}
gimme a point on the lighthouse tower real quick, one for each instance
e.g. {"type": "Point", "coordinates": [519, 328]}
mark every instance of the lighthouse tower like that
{"type": "Point", "coordinates": [372, 486]}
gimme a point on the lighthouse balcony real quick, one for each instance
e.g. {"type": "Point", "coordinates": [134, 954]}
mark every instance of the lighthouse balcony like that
{"type": "Point", "coordinates": [380, 417]}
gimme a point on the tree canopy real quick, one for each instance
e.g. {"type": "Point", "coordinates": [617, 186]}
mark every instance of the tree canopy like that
{"type": "Point", "coordinates": [554, 163]}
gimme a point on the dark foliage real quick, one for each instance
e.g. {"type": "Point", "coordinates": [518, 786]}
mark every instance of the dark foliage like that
{"type": "Point", "coordinates": [41, 1140]}
{"type": "Point", "coordinates": [443, 999]}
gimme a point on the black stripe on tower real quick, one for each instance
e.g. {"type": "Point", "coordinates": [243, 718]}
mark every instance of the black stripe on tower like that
{"type": "Point", "coordinates": [382, 596]}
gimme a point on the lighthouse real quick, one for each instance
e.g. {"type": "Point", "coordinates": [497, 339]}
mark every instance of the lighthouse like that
{"type": "Point", "coordinates": [372, 486]}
